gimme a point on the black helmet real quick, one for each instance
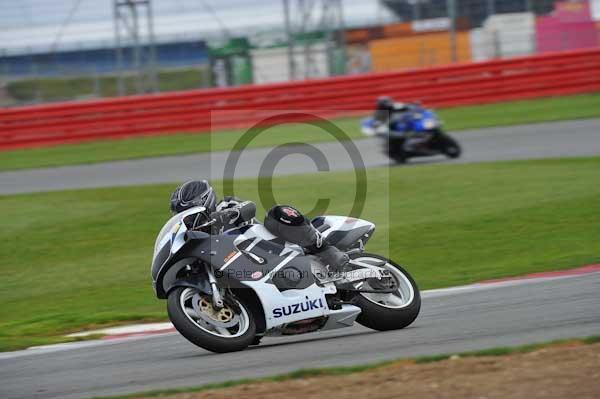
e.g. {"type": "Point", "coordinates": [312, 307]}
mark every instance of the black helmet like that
{"type": "Point", "coordinates": [193, 193]}
{"type": "Point", "coordinates": [384, 102]}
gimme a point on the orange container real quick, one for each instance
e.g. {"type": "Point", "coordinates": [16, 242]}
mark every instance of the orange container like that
{"type": "Point", "coordinates": [356, 36]}
{"type": "Point", "coordinates": [399, 29]}
{"type": "Point", "coordinates": [432, 49]}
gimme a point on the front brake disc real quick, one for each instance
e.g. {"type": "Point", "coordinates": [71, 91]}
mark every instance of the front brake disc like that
{"type": "Point", "coordinates": [225, 318]}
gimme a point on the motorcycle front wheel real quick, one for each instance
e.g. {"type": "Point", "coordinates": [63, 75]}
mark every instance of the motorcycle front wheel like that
{"type": "Point", "coordinates": [388, 311]}
{"type": "Point", "coordinates": [229, 329]}
{"type": "Point", "coordinates": [394, 149]}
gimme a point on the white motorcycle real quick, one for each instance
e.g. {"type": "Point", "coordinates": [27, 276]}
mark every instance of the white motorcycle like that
{"type": "Point", "coordinates": [225, 292]}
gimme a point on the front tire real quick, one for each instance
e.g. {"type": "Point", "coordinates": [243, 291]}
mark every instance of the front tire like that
{"type": "Point", "coordinates": [194, 321]}
{"type": "Point", "coordinates": [395, 150]}
{"type": "Point", "coordinates": [382, 315]}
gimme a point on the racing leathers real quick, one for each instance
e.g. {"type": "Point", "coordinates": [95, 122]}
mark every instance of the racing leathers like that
{"type": "Point", "coordinates": [283, 222]}
{"type": "Point", "coordinates": [388, 112]}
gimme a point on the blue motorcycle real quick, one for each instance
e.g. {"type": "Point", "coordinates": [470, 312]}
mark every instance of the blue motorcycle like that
{"type": "Point", "coordinates": [414, 132]}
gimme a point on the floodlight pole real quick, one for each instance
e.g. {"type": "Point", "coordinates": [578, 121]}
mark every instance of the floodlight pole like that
{"type": "Point", "coordinates": [303, 17]}
{"type": "Point", "coordinates": [416, 8]}
{"type": "Point", "coordinates": [290, 46]}
{"type": "Point", "coordinates": [451, 7]}
{"type": "Point", "coordinates": [129, 32]}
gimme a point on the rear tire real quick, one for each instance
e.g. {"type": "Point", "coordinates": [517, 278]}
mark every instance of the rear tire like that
{"type": "Point", "coordinates": [381, 318]}
{"type": "Point", "coordinates": [202, 338]}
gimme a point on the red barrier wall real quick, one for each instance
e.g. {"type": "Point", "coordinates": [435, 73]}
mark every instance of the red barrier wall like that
{"type": "Point", "coordinates": [190, 111]}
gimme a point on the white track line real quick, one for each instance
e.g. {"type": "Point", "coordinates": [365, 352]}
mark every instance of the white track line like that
{"type": "Point", "coordinates": [154, 329]}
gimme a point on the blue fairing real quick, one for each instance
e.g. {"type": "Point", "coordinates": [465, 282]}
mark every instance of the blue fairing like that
{"type": "Point", "coordinates": [417, 120]}
{"type": "Point", "coordinates": [368, 122]}
{"type": "Point", "coordinates": [424, 120]}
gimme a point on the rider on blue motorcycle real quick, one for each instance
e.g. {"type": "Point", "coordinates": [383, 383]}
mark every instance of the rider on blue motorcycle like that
{"type": "Point", "coordinates": [387, 111]}
{"type": "Point", "coordinates": [283, 221]}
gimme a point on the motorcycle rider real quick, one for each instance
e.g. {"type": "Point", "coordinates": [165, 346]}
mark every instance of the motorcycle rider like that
{"type": "Point", "coordinates": [388, 111]}
{"type": "Point", "coordinates": [229, 213]}
{"type": "Point", "coordinates": [283, 221]}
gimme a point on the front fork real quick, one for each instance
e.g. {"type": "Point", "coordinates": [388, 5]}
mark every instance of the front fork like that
{"type": "Point", "coordinates": [217, 299]}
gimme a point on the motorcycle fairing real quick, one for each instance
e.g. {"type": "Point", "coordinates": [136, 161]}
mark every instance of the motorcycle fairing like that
{"type": "Point", "coordinates": [282, 308]}
{"type": "Point", "coordinates": [259, 231]}
{"type": "Point", "coordinates": [229, 256]}
{"type": "Point", "coordinates": [165, 262]}
{"type": "Point", "coordinates": [285, 272]}
{"type": "Point", "coordinates": [285, 307]}
{"type": "Point", "coordinates": [170, 239]}
{"type": "Point", "coordinates": [424, 121]}
{"type": "Point", "coordinates": [233, 258]}
{"type": "Point", "coordinates": [417, 119]}
{"type": "Point", "coordinates": [344, 232]}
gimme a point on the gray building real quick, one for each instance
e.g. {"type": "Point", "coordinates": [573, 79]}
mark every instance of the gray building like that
{"type": "Point", "coordinates": [473, 11]}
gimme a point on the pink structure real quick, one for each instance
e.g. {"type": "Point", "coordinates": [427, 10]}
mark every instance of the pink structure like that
{"type": "Point", "coordinates": [569, 27]}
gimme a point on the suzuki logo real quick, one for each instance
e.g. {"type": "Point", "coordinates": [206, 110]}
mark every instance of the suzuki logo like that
{"type": "Point", "coordinates": [298, 307]}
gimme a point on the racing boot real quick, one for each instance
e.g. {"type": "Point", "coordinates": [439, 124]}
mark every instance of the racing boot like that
{"type": "Point", "coordinates": [337, 262]}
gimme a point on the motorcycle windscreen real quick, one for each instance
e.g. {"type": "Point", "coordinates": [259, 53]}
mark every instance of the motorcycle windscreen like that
{"type": "Point", "coordinates": [162, 246]}
{"type": "Point", "coordinates": [164, 240]}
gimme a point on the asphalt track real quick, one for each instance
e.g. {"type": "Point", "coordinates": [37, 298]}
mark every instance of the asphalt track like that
{"type": "Point", "coordinates": [451, 321]}
{"type": "Point", "coordinates": [547, 140]}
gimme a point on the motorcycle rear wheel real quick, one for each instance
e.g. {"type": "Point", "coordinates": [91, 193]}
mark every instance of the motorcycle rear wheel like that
{"type": "Point", "coordinates": [449, 146]}
{"type": "Point", "coordinates": [393, 311]}
{"type": "Point", "coordinates": [229, 330]}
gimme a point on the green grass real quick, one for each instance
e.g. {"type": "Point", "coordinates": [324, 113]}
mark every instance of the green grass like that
{"type": "Point", "coordinates": [550, 109]}
{"type": "Point", "coordinates": [334, 371]}
{"type": "Point", "coordinates": [80, 259]}
{"type": "Point", "coordinates": [53, 89]}
{"type": "Point", "coordinates": [143, 147]}
{"type": "Point", "coordinates": [509, 350]}
{"type": "Point", "coordinates": [504, 114]}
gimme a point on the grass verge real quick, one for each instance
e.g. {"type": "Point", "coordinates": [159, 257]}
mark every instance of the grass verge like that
{"type": "Point", "coordinates": [336, 371]}
{"type": "Point", "coordinates": [80, 259]}
{"type": "Point", "coordinates": [460, 118]}
{"type": "Point", "coordinates": [57, 89]}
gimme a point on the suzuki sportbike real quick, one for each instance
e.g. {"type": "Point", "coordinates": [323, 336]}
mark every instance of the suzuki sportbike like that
{"type": "Point", "coordinates": [412, 123]}
{"type": "Point", "coordinates": [226, 291]}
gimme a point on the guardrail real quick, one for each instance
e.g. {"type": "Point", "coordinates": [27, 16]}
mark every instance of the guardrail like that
{"type": "Point", "coordinates": [190, 111]}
